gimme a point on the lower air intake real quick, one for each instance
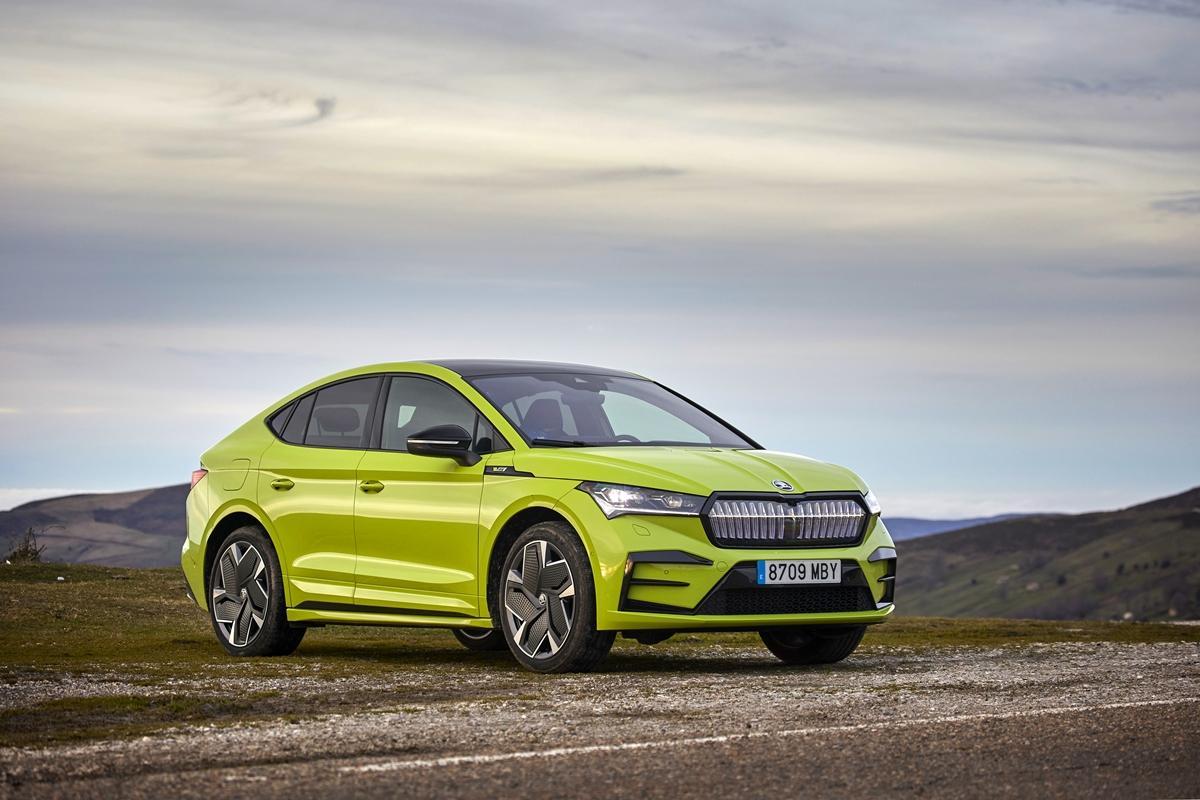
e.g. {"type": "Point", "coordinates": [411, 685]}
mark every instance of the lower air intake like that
{"type": "Point", "coordinates": [792, 600]}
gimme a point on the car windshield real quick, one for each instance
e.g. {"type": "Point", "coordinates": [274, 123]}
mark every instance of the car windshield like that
{"type": "Point", "coordinates": [569, 410]}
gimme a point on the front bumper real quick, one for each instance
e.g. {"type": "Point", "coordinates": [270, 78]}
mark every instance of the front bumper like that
{"type": "Point", "coordinates": [663, 573]}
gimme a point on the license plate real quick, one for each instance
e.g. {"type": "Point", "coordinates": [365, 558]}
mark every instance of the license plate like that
{"type": "Point", "coordinates": [793, 572]}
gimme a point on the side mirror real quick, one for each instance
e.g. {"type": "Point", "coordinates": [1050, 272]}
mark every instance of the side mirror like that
{"type": "Point", "coordinates": [446, 441]}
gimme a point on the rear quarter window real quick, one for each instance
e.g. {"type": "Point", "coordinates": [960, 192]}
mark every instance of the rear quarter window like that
{"type": "Point", "coordinates": [279, 419]}
{"type": "Point", "coordinates": [298, 423]}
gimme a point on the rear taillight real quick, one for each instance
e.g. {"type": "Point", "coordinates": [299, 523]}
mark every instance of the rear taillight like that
{"type": "Point", "coordinates": [198, 475]}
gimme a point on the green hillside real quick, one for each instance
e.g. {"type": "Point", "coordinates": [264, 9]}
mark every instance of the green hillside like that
{"type": "Point", "coordinates": [1140, 563]}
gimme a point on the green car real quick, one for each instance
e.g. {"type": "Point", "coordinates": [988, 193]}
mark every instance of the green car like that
{"type": "Point", "coordinates": [538, 507]}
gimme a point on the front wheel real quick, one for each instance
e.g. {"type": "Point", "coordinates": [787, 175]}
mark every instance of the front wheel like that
{"type": "Point", "coordinates": [814, 645]}
{"type": "Point", "coordinates": [547, 602]}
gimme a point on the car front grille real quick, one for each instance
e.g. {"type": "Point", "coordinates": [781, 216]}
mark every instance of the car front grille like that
{"type": "Point", "coordinates": [789, 600]}
{"type": "Point", "coordinates": [742, 522]}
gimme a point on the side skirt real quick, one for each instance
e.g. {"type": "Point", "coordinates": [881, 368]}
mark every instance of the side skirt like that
{"type": "Point", "coordinates": [317, 617]}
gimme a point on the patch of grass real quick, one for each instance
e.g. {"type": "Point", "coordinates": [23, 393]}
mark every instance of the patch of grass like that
{"type": "Point", "coordinates": [99, 618]}
{"type": "Point", "coordinates": [932, 632]}
{"type": "Point", "coordinates": [82, 718]}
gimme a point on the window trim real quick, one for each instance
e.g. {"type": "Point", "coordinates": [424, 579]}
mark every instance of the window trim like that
{"type": "Point", "coordinates": [753, 444]}
{"type": "Point", "coordinates": [374, 441]}
{"type": "Point", "coordinates": [296, 401]}
{"type": "Point", "coordinates": [368, 424]}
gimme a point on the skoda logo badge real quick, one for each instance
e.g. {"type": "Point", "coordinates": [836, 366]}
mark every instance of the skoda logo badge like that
{"type": "Point", "coordinates": [782, 486]}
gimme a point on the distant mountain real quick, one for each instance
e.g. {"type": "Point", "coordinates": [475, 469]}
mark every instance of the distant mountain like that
{"type": "Point", "coordinates": [1141, 562]}
{"type": "Point", "coordinates": [911, 527]}
{"type": "Point", "coordinates": [146, 528]}
{"type": "Point", "coordinates": [124, 529]}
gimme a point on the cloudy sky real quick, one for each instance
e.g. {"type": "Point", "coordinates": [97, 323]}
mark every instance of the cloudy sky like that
{"type": "Point", "coordinates": [953, 245]}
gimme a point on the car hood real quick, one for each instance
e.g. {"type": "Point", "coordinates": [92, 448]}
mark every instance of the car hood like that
{"type": "Point", "coordinates": [694, 470]}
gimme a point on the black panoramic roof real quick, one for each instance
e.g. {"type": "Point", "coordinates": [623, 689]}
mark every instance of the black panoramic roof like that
{"type": "Point", "coordinates": [477, 368]}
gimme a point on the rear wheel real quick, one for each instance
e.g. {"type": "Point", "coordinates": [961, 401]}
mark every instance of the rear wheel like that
{"type": "Point", "coordinates": [813, 645]}
{"type": "Point", "coordinates": [245, 601]}
{"type": "Point", "coordinates": [547, 602]}
{"type": "Point", "coordinates": [481, 640]}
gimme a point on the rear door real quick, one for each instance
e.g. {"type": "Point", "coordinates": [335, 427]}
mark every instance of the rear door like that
{"type": "Point", "coordinates": [307, 485]}
{"type": "Point", "coordinates": [417, 517]}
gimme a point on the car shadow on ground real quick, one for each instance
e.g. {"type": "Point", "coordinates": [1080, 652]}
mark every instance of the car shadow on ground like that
{"type": "Point", "coordinates": [624, 660]}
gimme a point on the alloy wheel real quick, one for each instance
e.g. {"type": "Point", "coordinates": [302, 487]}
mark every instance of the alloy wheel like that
{"type": "Point", "coordinates": [539, 600]}
{"type": "Point", "coordinates": [240, 593]}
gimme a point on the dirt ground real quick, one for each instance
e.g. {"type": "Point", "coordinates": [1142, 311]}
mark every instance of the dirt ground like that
{"type": "Point", "coordinates": [99, 697]}
{"type": "Point", "coordinates": [1055, 719]}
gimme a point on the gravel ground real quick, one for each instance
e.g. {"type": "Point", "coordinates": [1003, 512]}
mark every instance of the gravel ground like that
{"type": "Point", "coordinates": [1053, 719]}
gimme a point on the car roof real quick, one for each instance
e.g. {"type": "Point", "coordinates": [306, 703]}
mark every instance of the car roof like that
{"type": "Point", "coordinates": [477, 368]}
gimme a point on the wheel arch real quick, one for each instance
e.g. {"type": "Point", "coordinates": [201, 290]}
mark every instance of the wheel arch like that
{"type": "Point", "coordinates": [516, 522]}
{"type": "Point", "coordinates": [226, 521]}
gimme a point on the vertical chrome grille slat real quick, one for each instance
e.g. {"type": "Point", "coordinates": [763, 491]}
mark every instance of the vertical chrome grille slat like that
{"type": "Point", "coordinates": [786, 522]}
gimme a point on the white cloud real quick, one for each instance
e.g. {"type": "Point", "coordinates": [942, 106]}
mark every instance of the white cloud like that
{"type": "Point", "coordinates": [884, 235]}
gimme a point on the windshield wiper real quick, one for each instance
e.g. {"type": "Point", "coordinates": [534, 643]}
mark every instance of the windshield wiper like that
{"type": "Point", "coordinates": [673, 443]}
{"type": "Point", "coordinates": [559, 443]}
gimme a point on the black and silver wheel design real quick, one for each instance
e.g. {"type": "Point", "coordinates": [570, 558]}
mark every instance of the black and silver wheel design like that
{"type": "Point", "coordinates": [544, 601]}
{"type": "Point", "coordinates": [539, 600]}
{"type": "Point", "coordinates": [245, 597]}
{"type": "Point", "coordinates": [240, 593]}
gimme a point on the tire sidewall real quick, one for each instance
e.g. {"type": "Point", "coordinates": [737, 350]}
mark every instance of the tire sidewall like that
{"type": "Point", "coordinates": [583, 624]}
{"type": "Point", "coordinates": [275, 619]}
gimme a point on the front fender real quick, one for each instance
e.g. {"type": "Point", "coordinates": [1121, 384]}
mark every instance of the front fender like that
{"type": "Point", "coordinates": [604, 546]}
{"type": "Point", "coordinates": [506, 497]}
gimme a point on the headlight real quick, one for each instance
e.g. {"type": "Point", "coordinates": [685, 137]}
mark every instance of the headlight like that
{"type": "Point", "coordinates": [615, 500]}
{"type": "Point", "coordinates": [872, 503]}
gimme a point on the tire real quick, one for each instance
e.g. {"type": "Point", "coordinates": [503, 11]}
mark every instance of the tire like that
{"type": "Point", "coordinates": [548, 616]}
{"type": "Point", "coordinates": [250, 619]}
{"type": "Point", "coordinates": [480, 640]}
{"type": "Point", "coordinates": [814, 645]}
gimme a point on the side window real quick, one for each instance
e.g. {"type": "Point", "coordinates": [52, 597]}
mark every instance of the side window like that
{"type": "Point", "coordinates": [341, 414]}
{"type": "Point", "coordinates": [280, 418]}
{"type": "Point", "coordinates": [488, 439]}
{"type": "Point", "coordinates": [298, 423]}
{"type": "Point", "coordinates": [417, 404]}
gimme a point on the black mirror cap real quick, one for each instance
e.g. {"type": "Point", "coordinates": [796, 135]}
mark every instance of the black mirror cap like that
{"type": "Point", "coordinates": [445, 441]}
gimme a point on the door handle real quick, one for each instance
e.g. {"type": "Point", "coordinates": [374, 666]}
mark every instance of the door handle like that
{"type": "Point", "coordinates": [281, 484]}
{"type": "Point", "coordinates": [371, 487]}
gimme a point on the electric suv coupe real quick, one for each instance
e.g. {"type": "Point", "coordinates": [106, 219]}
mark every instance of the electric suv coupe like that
{"type": "Point", "coordinates": [538, 507]}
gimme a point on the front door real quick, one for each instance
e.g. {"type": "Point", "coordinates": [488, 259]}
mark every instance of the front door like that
{"type": "Point", "coordinates": [417, 517]}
